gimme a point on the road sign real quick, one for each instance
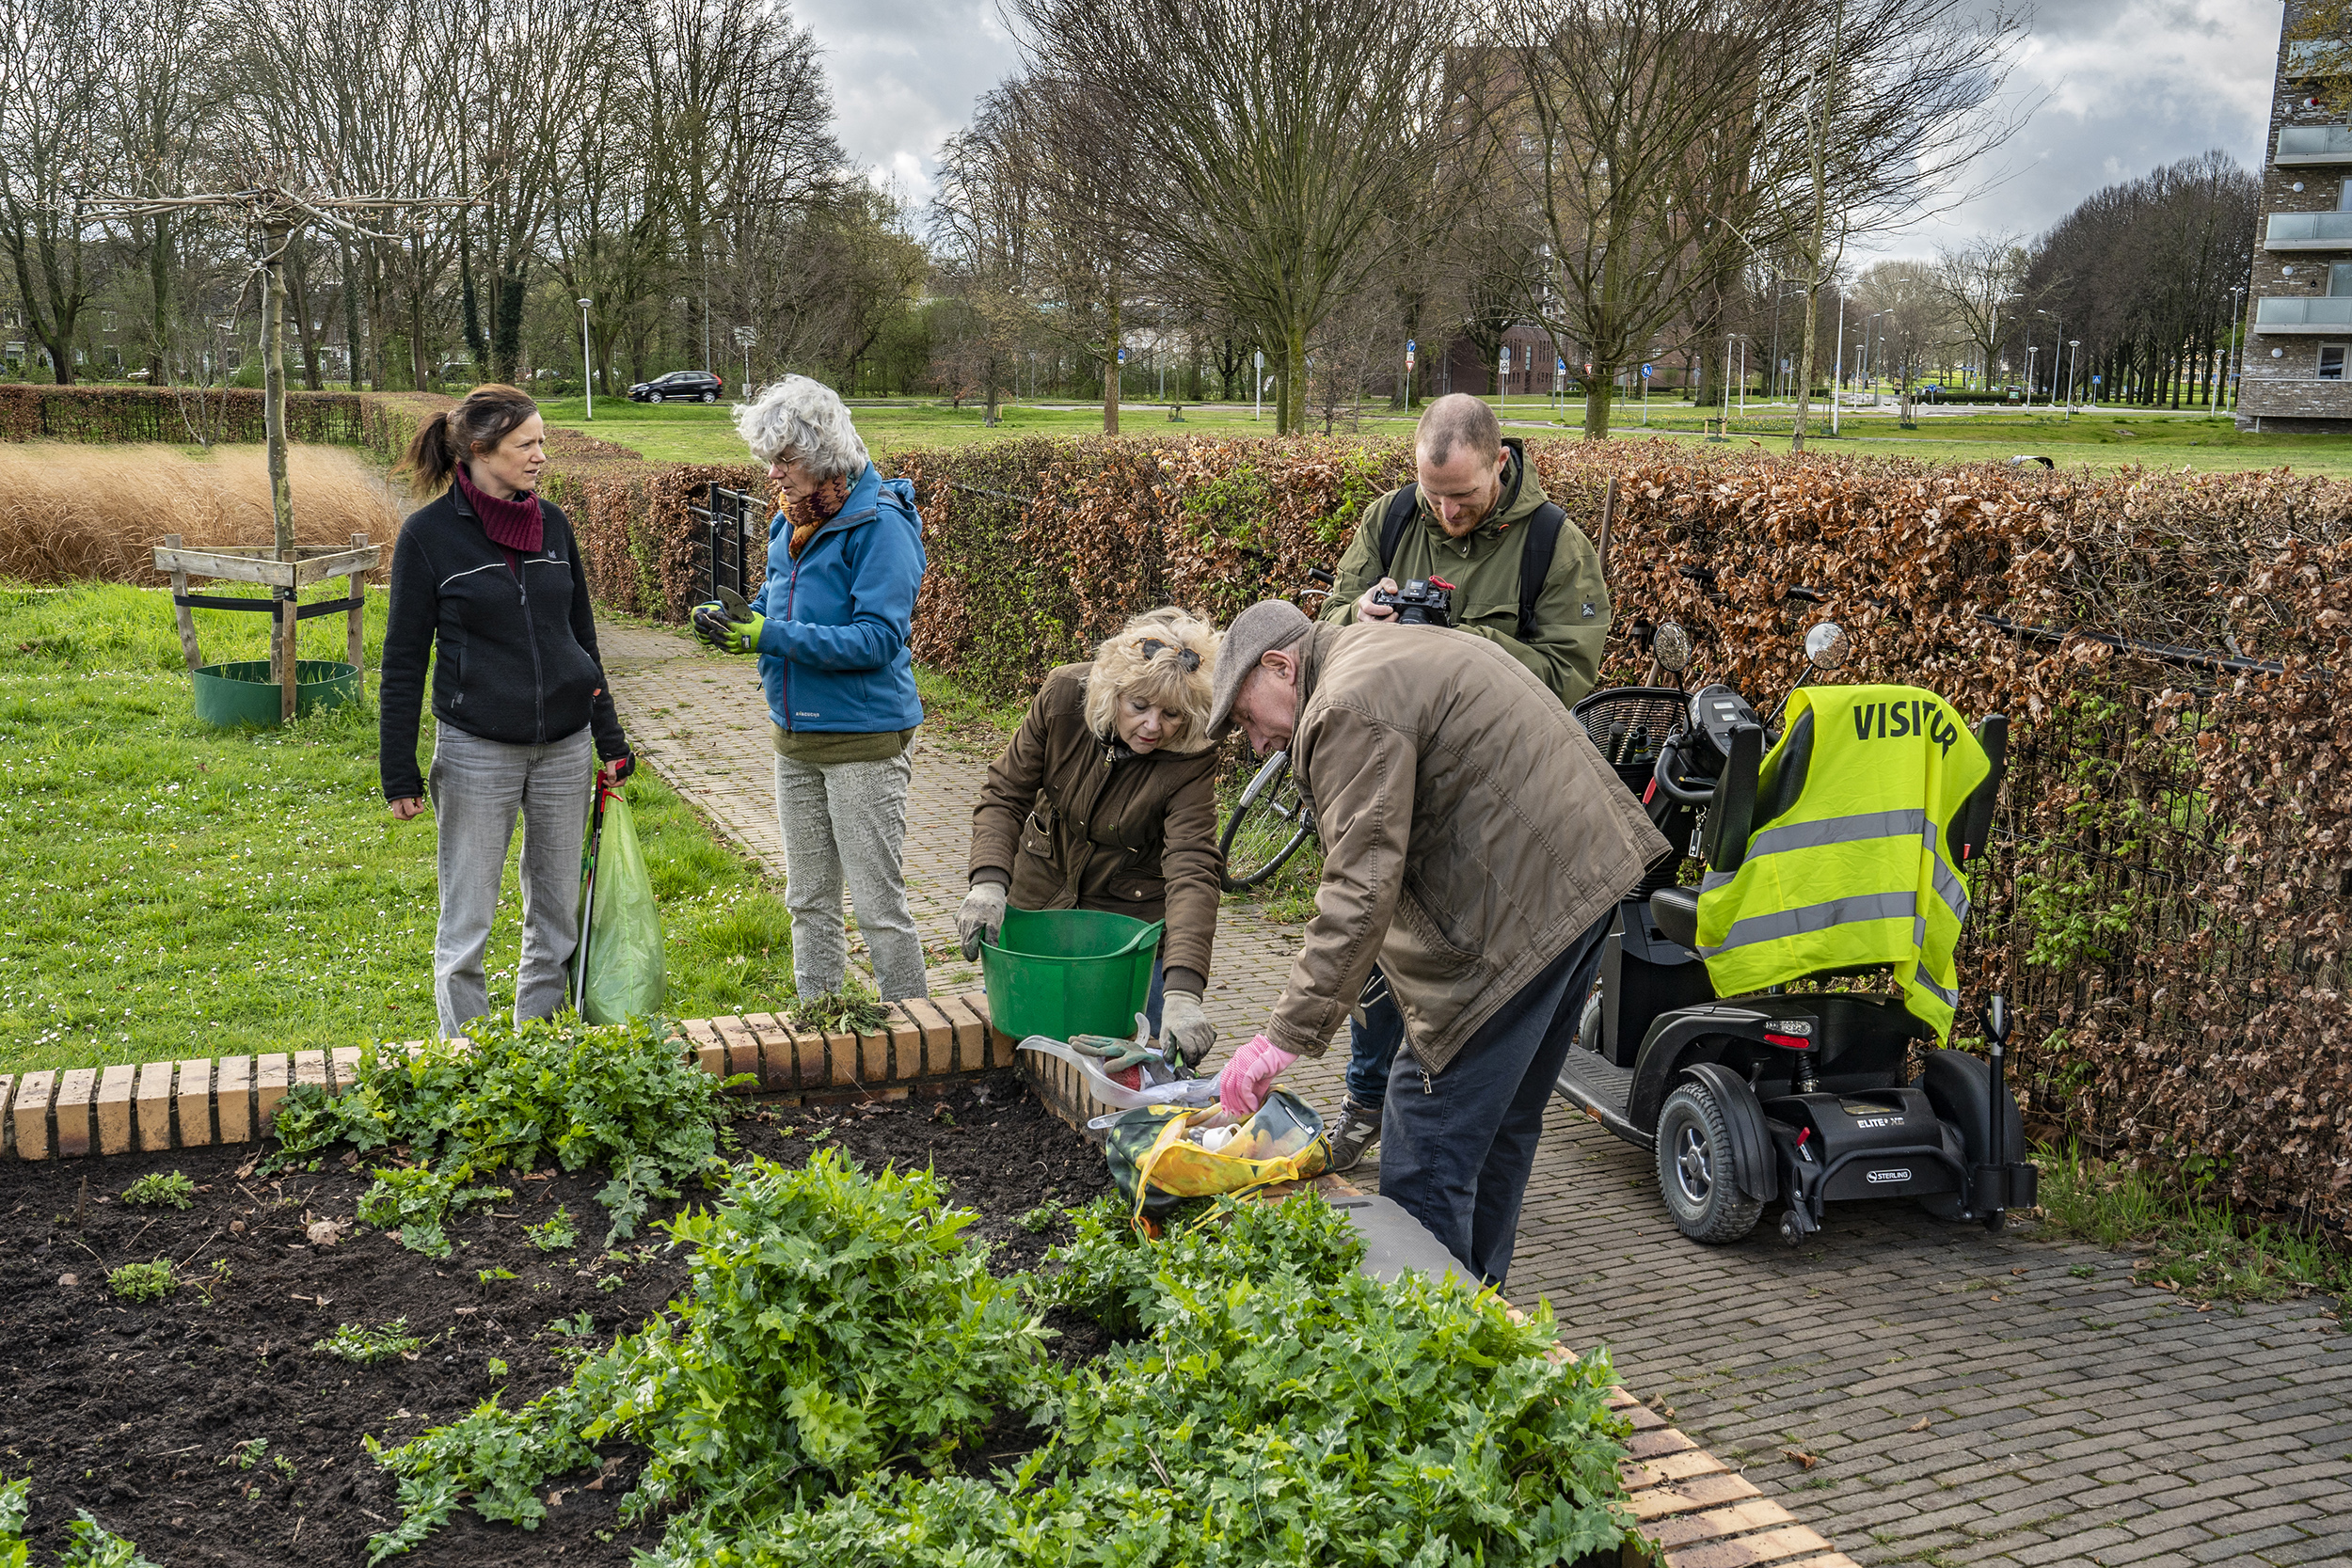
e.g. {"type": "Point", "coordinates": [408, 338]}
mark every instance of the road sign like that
{"type": "Point", "coordinates": [1645, 373]}
{"type": "Point", "coordinates": [1506, 359]}
{"type": "Point", "coordinates": [1122, 356]}
{"type": "Point", "coordinates": [745, 336]}
{"type": "Point", "coordinates": [2094, 381]}
{"type": "Point", "coordinates": [1560, 367]}
{"type": "Point", "coordinates": [1408, 353]}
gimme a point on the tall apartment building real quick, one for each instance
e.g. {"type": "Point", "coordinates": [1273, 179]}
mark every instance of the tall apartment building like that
{"type": "Point", "coordinates": [2297, 360]}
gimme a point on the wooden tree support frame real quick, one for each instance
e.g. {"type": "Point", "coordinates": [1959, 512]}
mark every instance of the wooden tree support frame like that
{"type": "Point", "coordinates": [285, 579]}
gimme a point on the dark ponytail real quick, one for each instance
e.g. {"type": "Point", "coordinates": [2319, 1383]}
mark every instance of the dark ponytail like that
{"type": "Point", "coordinates": [487, 417]}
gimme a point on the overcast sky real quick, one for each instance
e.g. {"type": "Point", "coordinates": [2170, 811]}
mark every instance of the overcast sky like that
{"type": "Point", "coordinates": [2124, 85]}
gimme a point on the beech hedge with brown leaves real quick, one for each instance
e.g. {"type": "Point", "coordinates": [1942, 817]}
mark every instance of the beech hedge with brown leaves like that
{"type": "Point", "coordinates": [2165, 901]}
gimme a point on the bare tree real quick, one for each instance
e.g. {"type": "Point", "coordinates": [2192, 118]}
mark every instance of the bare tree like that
{"type": "Point", "coordinates": [1879, 111]}
{"type": "Point", "coordinates": [1261, 144]}
{"type": "Point", "coordinates": [51, 151]}
{"type": "Point", "coordinates": [1977, 281]}
{"type": "Point", "coordinates": [1636, 128]}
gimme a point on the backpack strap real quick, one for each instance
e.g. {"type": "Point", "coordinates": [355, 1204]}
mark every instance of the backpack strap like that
{"type": "Point", "coordinates": [1401, 509]}
{"type": "Point", "coordinates": [1543, 543]}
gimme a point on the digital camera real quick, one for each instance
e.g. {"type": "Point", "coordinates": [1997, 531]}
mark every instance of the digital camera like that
{"type": "Point", "coordinates": [1422, 602]}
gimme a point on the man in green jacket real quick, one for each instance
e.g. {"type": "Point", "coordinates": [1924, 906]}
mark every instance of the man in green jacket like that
{"type": "Point", "coordinates": [1475, 517]}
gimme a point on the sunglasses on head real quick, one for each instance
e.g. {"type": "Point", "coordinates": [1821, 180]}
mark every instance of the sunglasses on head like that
{"type": "Point", "coordinates": [1152, 647]}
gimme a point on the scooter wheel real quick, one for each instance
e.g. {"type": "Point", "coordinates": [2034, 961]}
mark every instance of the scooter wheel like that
{"type": "Point", "coordinates": [1588, 1024]}
{"type": "Point", "coordinates": [1791, 1231]}
{"type": "Point", "coordinates": [1698, 1174]}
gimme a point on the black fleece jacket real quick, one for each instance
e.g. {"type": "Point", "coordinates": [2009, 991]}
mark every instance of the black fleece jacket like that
{"type": "Point", "coordinates": [517, 644]}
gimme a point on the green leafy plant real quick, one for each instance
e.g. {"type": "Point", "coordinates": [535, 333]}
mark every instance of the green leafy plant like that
{"type": "Point", "coordinates": [1040, 1220]}
{"type": "Point", "coordinates": [143, 1281]}
{"type": "Point", "coordinates": [1111, 1272]}
{"type": "Point", "coordinates": [854, 1009]}
{"type": "Point", "coordinates": [553, 1235]}
{"type": "Point", "coordinates": [174, 1191]}
{"type": "Point", "coordinates": [91, 1544]}
{"type": "Point", "coordinates": [368, 1344]}
{"type": "Point", "coordinates": [579, 1327]}
{"type": "Point", "coordinates": [247, 1454]}
{"type": "Point", "coordinates": [623, 1097]}
{"type": "Point", "coordinates": [486, 1277]}
{"type": "Point", "coordinates": [15, 1504]}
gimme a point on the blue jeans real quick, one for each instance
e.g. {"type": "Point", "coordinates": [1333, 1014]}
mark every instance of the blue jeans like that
{"type": "Point", "coordinates": [1457, 1147]}
{"type": "Point", "coordinates": [1372, 1044]}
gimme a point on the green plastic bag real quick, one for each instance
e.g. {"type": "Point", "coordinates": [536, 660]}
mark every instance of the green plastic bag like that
{"type": "Point", "coordinates": [620, 926]}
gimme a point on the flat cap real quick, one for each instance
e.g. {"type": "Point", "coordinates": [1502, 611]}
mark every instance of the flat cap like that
{"type": "Point", "coordinates": [1268, 624]}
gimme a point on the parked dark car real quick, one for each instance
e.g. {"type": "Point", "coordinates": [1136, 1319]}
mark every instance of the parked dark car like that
{"type": "Point", "coordinates": [678, 387]}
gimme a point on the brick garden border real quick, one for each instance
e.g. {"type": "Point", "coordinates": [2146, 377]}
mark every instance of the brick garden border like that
{"type": "Point", "coordinates": [1697, 1510]}
{"type": "Point", "coordinates": [199, 1101]}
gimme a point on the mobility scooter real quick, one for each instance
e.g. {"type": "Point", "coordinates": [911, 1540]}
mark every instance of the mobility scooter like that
{"type": "Point", "coordinates": [1798, 1093]}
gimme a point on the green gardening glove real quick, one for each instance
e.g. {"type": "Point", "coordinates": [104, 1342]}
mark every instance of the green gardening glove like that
{"type": "Point", "coordinates": [1117, 1055]}
{"type": "Point", "coordinates": [742, 637]}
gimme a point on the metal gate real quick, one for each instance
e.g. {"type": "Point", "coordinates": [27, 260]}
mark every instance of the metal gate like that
{"type": "Point", "coordinates": [735, 540]}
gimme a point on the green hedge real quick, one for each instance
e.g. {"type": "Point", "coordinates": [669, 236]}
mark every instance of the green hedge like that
{"type": "Point", "coordinates": [138, 414]}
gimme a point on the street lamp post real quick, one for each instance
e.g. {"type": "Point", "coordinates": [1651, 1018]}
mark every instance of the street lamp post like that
{"type": "Point", "coordinates": [2074, 370]}
{"type": "Point", "coordinates": [1838, 376]}
{"type": "Point", "coordinates": [2030, 351]}
{"type": "Point", "coordinates": [587, 365]}
{"type": "Point", "coordinates": [2237, 325]}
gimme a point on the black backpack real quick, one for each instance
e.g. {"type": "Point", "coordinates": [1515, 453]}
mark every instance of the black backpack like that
{"type": "Point", "coordinates": [1543, 541]}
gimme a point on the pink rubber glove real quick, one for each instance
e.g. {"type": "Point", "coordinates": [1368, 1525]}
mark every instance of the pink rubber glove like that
{"type": "Point", "coordinates": [1241, 1087]}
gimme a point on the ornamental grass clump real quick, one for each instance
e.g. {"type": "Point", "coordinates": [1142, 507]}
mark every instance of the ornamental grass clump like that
{"type": "Point", "coordinates": [621, 1098]}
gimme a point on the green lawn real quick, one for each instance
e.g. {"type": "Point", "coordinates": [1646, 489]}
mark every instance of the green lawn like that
{"type": "Point", "coordinates": [694, 432]}
{"type": "Point", "coordinates": [170, 889]}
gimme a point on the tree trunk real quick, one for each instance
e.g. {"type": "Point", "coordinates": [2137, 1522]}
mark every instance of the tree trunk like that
{"type": "Point", "coordinates": [159, 289]}
{"type": "Point", "coordinates": [1294, 379]}
{"type": "Point", "coordinates": [1110, 369]}
{"type": "Point", "coordinates": [506, 325]}
{"type": "Point", "coordinates": [1598, 382]}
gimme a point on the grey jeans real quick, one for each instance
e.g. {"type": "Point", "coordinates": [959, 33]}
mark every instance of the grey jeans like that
{"type": "Point", "coordinates": [477, 786]}
{"type": "Point", "coordinates": [847, 821]}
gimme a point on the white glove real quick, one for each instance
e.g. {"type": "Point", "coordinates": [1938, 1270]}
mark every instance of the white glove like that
{"type": "Point", "coordinates": [1184, 1027]}
{"type": "Point", "coordinates": [982, 917]}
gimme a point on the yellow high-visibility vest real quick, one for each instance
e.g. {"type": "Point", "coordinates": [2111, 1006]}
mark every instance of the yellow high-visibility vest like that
{"type": "Point", "coordinates": [1855, 872]}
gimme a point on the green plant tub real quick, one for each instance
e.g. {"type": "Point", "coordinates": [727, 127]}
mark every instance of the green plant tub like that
{"type": "Point", "coordinates": [228, 695]}
{"type": "Point", "coordinates": [1059, 973]}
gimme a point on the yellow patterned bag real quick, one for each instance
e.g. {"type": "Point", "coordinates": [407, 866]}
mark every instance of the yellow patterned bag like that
{"type": "Point", "coordinates": [1157, 1160]}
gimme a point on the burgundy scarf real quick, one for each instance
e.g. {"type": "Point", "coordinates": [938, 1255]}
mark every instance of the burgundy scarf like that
{"type": "Point", "coordinates": [514, 524]}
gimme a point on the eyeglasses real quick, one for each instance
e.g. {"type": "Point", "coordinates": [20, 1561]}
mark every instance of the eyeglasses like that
{"type": "Point", "coordinates": [1152, 647]}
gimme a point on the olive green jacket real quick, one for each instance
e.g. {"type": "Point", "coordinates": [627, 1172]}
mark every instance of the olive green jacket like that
{"type": "Point", "coordinates": [1571, 617]}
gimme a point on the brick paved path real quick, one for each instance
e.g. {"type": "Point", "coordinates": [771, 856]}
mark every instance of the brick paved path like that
{"type": "Point", "coordinates": [2070, 1418]}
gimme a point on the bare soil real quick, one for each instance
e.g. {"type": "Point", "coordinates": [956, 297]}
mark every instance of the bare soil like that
{"type": "Point", "coordinates": [153, 1417]}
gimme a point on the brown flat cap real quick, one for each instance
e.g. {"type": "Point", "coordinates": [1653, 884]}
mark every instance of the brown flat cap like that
{"type": "Point", "coordinates": [1268, 624]}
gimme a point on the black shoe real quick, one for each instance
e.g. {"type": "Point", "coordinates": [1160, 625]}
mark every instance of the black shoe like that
{"type": "Point", "coordinates": [1356, 1129]}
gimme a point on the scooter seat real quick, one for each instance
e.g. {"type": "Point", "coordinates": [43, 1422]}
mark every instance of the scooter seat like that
{"type": "Point", "coordinates": [1676, 911]}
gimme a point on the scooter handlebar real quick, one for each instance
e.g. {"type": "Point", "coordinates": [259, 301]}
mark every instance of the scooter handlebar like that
{"type": "Point", "coordinates": [1666, 769]}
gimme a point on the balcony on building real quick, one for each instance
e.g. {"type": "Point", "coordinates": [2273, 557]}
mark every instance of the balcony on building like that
{"type": "Point", "coordinates": [2300, 145]}
{"type": "Point", "coordinates": [2309, 231]}
{"type": "Point", "coordinates": [2305, 315]}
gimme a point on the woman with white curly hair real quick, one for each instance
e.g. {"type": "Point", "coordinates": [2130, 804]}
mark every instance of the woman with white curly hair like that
{"type": "Point", "coordinates": [1106, 798]}
{"type": "Point", "coordinates": [831, 627]}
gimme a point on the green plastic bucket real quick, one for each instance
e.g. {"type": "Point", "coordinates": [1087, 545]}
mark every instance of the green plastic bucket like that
{"type": "Point", "coordinates": [1059, 973]}
{"type": "Point", "coordinates": [242, 694]}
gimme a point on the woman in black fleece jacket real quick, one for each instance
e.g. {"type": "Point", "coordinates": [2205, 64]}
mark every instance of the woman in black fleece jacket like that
{"type": "Point", "coordinates": [488, 580]}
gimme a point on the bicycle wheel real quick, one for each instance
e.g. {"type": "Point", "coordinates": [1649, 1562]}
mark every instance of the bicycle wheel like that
{"type": "Point", "coordinates": [1269, 823]}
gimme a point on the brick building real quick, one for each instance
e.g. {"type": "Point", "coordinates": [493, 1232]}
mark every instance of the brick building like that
{"type": "Point", "coordinates": [2295, 374]}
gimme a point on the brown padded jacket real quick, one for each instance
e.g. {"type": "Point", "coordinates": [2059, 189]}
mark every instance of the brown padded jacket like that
{"type": "Point", "coordinates": [1470, 832]}
{"type": "Point", "coordinates": [1071, 821]}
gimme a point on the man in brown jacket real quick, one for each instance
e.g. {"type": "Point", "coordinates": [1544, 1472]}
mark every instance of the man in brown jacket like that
{"type": "Point", "coordinates": [1475, 847]}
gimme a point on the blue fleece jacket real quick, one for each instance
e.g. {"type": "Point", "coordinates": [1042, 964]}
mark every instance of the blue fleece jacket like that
{"type": "Point", "coordinates": [833, 654]}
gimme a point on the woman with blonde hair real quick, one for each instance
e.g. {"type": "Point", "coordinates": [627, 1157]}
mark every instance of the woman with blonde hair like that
{"type": "Point", "coordinates": [1106, 798]}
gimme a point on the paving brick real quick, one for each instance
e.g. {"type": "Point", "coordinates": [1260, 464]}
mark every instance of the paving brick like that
{"type": "Point", "coordinates": [814, 1063]}
{"type": "Point", "coordinates": [112, 1105]}
{"type": "Point", "coordinates": [774, 1061]}
{"type": "Point", "coordinates": [938, 1035]}
{"type": "Point", "coordinates": [77, 1128]}
{"type": "Point", "coordinates": [841, 1060]}
{"type": "Point", "coordinates": [740, 1047]}
{"type": "Point", "coordinates": [873, 1058]}
{"type": "Point", "coordinates": [342, 1069]}
{"type": "Point", "coordinates": [192, 1102]}
{"type": "Point", "coordinates": [271, 1076]}
{"type": "Point", "coordinates": [152, 1106]}
{"type": "Point", "coordinates": [28, 1116]}
{"type": "Point", "coordinates": [233, 1096]}
{"type": "Point", "coordinates": [309, 1066]}
{"type": "Point", "coordinates": [2334, 1548]}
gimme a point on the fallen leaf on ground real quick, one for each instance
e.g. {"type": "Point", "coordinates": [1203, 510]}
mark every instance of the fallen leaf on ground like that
{"type": "Point", "coordinates": [1807, 1459]}
{"type": "Point", "coordinates": [1920, 1425]}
